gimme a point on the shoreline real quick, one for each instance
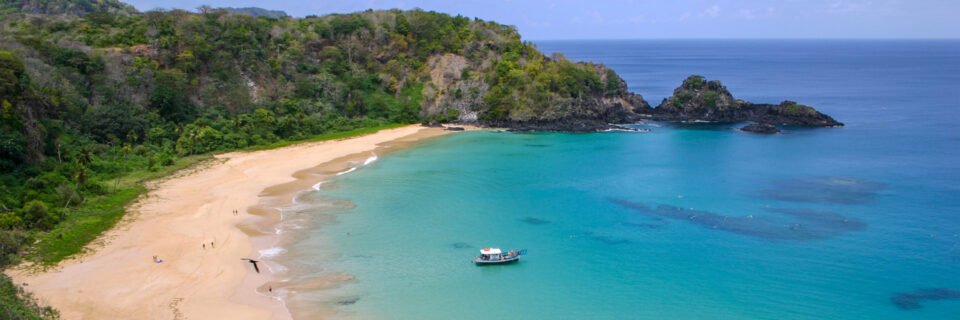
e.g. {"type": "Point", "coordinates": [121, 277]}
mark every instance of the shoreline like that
{"type": "Point", "coordinates": [266, 233]}
{"type": "Point", "coordinates": [188, 222]}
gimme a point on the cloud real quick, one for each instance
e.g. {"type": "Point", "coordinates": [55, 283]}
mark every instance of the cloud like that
{"type": "Point", "coordinates": [841, 7]}
{"type": "Point", "coordinates": [713, 11]}
{"type": "Point", "coordinates": [750, 14]}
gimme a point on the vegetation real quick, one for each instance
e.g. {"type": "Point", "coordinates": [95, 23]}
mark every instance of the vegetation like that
{"type": "Point", "coordinates": [257, 12]}
{"type": "Point", "coordinates": [693, 82]}
{"type": "Point", "coordinates": [797, 108]}
{"type": "Point", "coordinates": [16, 304]}
{"type": "Point", "coordinates": [96, 98]}
{"type": "Point", "coordinates": [710, 98]}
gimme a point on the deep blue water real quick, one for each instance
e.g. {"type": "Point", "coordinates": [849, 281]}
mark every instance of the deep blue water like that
{"type": "Point", "coordinates": [679, 223]}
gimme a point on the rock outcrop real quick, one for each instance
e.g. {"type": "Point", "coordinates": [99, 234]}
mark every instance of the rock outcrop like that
{"type": "Point", "coordinates": [764, 128]}
{"type": "Point", "coordinates": [701, 100]}
{"type": "Point", "coordinates": [590, 112]}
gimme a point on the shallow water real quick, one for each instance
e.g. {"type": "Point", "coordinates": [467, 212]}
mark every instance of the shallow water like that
{"type": "Point", "coordinates": [683, 222]}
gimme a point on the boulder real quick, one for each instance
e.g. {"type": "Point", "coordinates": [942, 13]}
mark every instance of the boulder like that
{"type": "Point", "coordinates": [764, 128]}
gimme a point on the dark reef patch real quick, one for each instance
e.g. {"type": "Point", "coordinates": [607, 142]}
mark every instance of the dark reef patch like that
{"type": "Point", "coordinates": [461, 245]}
{"type": "Point", "coordinates": [645, 225]}
{"type": "Point", "coordinates": [837, 190]}
{"type": "Point", "coordinates": [606, 239]}
{"type": "Point", "coordinates": [534, 221]}
{"type": "Point", "coordinates": [912, 300]}
{"type": "Point", "coordinates": [787, 225]}
{"type": "Point", "coordinates": [823, 219]}
{"type": "Point", "coordinates": [348, 301]}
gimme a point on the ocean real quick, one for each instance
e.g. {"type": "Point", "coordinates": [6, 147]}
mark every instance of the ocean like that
{"type": "Point", "coordinates": [682, 222]}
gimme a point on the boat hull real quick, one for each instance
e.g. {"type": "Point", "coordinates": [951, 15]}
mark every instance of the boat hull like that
{"type": "Point", "coordinates": [489, 262]}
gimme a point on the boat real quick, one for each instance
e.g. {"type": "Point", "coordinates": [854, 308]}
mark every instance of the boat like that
{"type": "Point", "coordinates": [495, 256]}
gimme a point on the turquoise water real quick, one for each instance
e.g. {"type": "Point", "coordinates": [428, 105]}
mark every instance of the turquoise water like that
{"type": "Point", "coordinates": [679, 223]}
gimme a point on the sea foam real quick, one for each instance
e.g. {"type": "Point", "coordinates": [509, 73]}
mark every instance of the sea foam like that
{"type": "Point", "coordinates": [371, 159]}
{"type": "Point", "coordinates": [348, 171]}
{"type": "Point", "coordinates": [272, 252]}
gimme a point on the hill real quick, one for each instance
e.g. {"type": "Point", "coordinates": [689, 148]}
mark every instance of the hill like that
{"type": "Point", "coordinates": [97, 97]}
{"type": "Point", "coordinates": [257, 12]}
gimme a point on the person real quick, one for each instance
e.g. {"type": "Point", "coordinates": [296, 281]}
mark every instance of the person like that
{"type": "Point", "coordinates": [154, 259]}
{"type": "Point", "coordinates": [211, 245]}
{"type": "Point", "coordinates": [204, 245]}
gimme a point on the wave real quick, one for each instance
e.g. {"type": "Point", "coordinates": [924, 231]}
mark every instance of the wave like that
{"type": "Point", "coordinates": [348, 171]}
{"type": "Point", "coordinates": [316, 187]}
{"type": "Point", "coordinates": [371, 159]}
{"type": "Point", "coordinates": [271, 252]}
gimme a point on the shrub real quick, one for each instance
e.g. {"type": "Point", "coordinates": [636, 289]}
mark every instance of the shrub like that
{"type": "Point", "coordinates": [694, 81]}
{"type": "Point", "coordinates": [710, 98]}
{"type": "Point", "coordinates": [36, 214]}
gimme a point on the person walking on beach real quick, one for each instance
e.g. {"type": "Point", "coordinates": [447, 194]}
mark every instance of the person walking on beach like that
{"type": "Point", "coordinates": [204, 245]}
{"type": "Point", "coordinates": [211, 245]}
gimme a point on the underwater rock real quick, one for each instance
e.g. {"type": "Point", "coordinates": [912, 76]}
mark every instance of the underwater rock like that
{"type": "Point", "coordinates": [838, 190]}
{"type": "Point", "coordinates": [645, 225]}
{"type": "Point", "coordinates": [534, 221]}
{"type": "Point", "coordinates": [805, 225]}
{"type": "Point", "coordinates": [607, 239]}
{"type": "Point", "coordinates": [461, 245]}
{"type": "Point", "coordinates": [764, 128]}
{"type": "Point", "coordinates": [348, 301]}
{"type": "Point", "coordinates": [912, 300]}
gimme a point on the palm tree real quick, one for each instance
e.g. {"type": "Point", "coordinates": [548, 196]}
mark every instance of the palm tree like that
{"type": "Point", "coordinates": [84, 158]}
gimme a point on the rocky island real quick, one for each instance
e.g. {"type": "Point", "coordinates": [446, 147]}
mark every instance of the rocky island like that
{"type": "Point", "coordinates": [696, 100]}
{"type": "Point", "coordinates": [700, 100]}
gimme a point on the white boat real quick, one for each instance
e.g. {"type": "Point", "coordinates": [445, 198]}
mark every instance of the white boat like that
{"type": "Point", "coordinates": [495, 256]}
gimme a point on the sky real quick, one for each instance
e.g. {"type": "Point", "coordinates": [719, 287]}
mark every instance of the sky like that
{"type": "Point", "coordinates": [658, 19]}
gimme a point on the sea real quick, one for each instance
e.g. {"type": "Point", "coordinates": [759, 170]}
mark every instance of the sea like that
{"type": "Point", "coordinates": [686, 221]}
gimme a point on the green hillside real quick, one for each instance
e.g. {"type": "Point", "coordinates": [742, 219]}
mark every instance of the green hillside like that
{"type": "Point", "coordinates": [97, 98]}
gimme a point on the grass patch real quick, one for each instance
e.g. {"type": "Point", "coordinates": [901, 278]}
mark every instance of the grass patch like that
{"type": "Point", "coordinates": [82, 225]}
{"type": "Point", "coordinates": [88, 220]}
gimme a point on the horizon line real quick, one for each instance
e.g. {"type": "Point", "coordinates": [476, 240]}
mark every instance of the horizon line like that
{"type": "Point", "coordinates": [735, 38]}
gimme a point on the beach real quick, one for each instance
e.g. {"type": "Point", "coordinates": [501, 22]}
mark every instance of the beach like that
{"type": "Point", "coordinates": [188, 222]}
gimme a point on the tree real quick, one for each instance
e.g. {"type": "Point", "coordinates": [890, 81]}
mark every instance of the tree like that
{"type": "Point", "coordinates": [169, 97]}
{"type": "Point", "coordinates": [12, 76]}
{"type": "Point", "coordinates": [117, 119]}
{"type": "Point", "coordinates": [402, 25]}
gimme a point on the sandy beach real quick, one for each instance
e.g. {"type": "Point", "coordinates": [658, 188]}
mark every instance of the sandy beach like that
{"type": "Point", "coordinates": [188, 223]}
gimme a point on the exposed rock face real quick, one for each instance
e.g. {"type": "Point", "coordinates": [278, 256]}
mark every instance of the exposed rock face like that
{"type": "Point", "coordinates": [583, 115]}
{"type": "Point", "coordinates": [765, 128]}
{"type": "Point", "coordinates": [701, 100]}
{"type": "Point", "coordinates": [589, 113]}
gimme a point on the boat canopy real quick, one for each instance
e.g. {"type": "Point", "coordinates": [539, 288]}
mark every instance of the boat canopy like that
{"type": "Point", "coordinates": [490, 251]}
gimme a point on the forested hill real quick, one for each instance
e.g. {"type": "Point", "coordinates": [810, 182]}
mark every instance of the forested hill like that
{"type": "Point", "coordinates": [97, 96]}
{"type": "Point", "coordinates": [257, 12]}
